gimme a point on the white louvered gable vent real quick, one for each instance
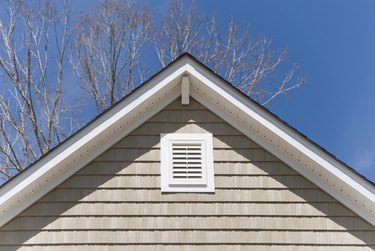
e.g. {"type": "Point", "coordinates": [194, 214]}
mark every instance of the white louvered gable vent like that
{"type": "Point", "coordinates": [187, 160]}
{"type": "Point", "coordinates": [187, 163]}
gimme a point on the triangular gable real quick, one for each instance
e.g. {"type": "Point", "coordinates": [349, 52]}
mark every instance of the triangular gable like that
{"type": "Point", "coordinates": [216, 94]}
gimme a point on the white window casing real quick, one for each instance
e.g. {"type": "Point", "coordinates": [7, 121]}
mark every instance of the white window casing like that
{"type": "Point", "coordinates": [186, 162]}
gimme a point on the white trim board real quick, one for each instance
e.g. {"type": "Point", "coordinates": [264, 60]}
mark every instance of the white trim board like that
{"type": "Point", "coordinates": [74, 154]}
{"type": "Point", "coordinates": [218, 96]}
{"type": "Point", "coordinates": [203, 184]}
{"type": "Point", "coordinates": [282, 141]}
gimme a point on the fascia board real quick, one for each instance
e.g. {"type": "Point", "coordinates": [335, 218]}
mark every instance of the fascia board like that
{"type": "Point", "coordinates": [49, 172]}
{"type": "Point", "coordinates": [349, 179]}
{"type": "Point", "coordinates": [37, 174]}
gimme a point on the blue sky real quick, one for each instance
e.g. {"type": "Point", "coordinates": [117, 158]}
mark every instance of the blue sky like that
{"type": "Point", "coordinates": [334, 41]}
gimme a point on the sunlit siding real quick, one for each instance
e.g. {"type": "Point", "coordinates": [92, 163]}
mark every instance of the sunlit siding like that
{"type": "Point", "coordinates": [115, 202]}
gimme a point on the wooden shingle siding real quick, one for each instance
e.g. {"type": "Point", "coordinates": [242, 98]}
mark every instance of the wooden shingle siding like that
{"type": "Point", "coordinates": [154, 195]}
{"type": "Point", "coordinates": [234, 222]}
{"type": "Point", "coordinates": [171, 236]}
{"type": "Point", "coordinates": [152, 128]}
{"type": "Point", "coordinates": [220, 155]}
{"type": "Point", "coordinates": [114, 168]}
{"type": "Point", "coordinates": [198, 247]}
{"type": "Point", "coordinates": [115, 203]}
{"type": "Point", "coordinates": [302, 209]}
{"type": "Point", "coordinates": [153, 182]}
{"type": "Point", "coordinates": [153, 141]}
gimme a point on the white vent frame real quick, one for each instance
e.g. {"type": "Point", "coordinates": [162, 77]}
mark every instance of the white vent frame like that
{"type": "Point", "coordinates": [171, 184]}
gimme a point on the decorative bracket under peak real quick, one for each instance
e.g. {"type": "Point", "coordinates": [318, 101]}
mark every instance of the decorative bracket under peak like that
{"type": "Point", "coordinates": [185, 82]}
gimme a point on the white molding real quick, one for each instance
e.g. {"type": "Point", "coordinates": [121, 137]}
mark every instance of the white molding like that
{"type": "Point", "coordinates": [185, 87]}
{"type": "Point", "coordinates": [277, 152]}
{"type": "Point", "coordinates": [236, 109]}
{"type": "Point", "coordinates": [54, 168]}
{"type": "Point", "coordinates": [168, 184]}
{"type": "Point", "coordinates": [356, 193]}
{"type": "Point", "coordinates": [275, 125]}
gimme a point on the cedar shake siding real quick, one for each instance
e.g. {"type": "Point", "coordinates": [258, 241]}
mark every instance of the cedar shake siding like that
{"type": "Point", "coordinates": [115, 202]}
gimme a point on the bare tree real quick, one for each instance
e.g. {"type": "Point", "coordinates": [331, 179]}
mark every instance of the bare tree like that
{"type": "Point", "coordinates": [113, 50]}
{"type": "Point", "coordinates": [112, 39]}
{"type": "Point", "coordinates": [249, 63]}
{"type": "Point", "coordinates": [31, 105]}
{"type": "Point", "coordinates": [108, 48]}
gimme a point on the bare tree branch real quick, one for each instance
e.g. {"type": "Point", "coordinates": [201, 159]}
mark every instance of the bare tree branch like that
{"type": "Point", "coordinates": [31, 105]}
{"type": "Point", "coordinates": [108, 48]}
{"type": "Point", "coordinates": [111, 50]}
{"type": "Point", "coordinates": [249, 63]}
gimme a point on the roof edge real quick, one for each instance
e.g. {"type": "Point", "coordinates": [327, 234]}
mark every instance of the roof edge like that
{"type": "Point", "coordinates": [358, 194]}
{"type": "Point", "coordinates": [90, 141]}
{"type": "Point", "coordinates": [281, 121]}
{"type": "Point", "coordinates": [40, 175]}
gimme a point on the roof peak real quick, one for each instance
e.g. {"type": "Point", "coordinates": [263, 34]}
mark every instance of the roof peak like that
{"type": "Point", "coordinates": [214, 92]}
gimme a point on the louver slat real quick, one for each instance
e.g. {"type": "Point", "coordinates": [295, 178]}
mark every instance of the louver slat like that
{"type": "Point", "coordinates": [187, 160]}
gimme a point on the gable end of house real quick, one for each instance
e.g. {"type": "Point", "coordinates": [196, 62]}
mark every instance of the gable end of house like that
{"type": "Point", "coordinates": [222, 99]}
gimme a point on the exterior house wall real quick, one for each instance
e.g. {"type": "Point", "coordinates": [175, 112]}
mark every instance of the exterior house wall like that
{"type": "Point", "coordinates": [115, 202]}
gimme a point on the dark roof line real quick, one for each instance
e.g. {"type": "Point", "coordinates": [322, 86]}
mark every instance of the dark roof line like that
{"type": "Point", "coordinates": [53, 149]}
{"type": "Point", "coordinates": [186, 54]}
